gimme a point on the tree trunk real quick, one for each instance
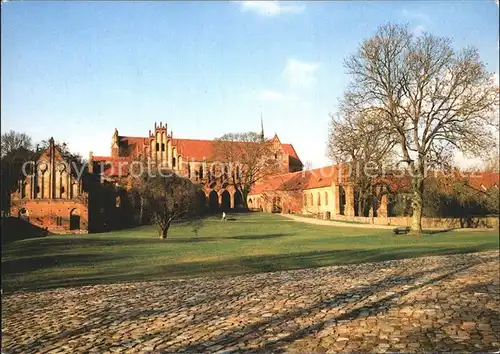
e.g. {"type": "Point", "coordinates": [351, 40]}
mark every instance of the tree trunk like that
{"type": "Point", "coordinates": [163, 232]}
{"type": "Point", "coordinates": [141, 211]}
{"type": "Point", "coordinates": [360, 206]}
{"type": "Point", "coordinates": [417, 205]}
{"type": "Point", "coordinates": [244, 195]}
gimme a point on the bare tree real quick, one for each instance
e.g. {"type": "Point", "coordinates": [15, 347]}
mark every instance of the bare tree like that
{"type": "Point", "coordinates": [492, 163]}
{"type": "Point", "coordinates": [16, 149]}
{"type": "Point", "coordinates": [71, 157]}
{"type": "Point", "coordinates": [432, 98]}
{"type": "Point", "coordinates": [308, 165]}
{"type": "Point", "coordinates": [167, 196]}
{"type": "Point", "coordinates": [360, 141]}
{"type": "Point", "coordinates": [12, 141]}
{"type": "Point", "coordinates": [248, 159]}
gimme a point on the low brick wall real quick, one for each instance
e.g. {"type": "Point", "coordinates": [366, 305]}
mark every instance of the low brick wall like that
{"type": "Point", "coordinates": [427, 223]}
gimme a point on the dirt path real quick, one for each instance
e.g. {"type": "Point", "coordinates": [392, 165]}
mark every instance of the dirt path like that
{"type": "Point", "coordinates": [335, 223]}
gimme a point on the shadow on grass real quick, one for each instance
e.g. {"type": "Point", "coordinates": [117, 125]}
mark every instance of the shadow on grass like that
{"type": "Point", "coordinates": [16, 273]}
{"type": "Point", "coordinates": [209, 239]}
{"type": "Point", "coordinates": [15, 229]}
{"type": "Point", "coordinates": [24, 265]}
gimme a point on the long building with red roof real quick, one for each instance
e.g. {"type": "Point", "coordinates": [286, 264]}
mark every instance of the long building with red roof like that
{"type": "Point", "coordinates": [53, 199]}
{"type": "Point", "coordinates": [194, 158]}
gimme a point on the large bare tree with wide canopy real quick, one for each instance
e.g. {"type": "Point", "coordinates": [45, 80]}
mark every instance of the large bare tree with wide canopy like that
{"type": "Point", "coordinates": [432, 99]}
{"type": "Point", "coordinates": [248, 158]}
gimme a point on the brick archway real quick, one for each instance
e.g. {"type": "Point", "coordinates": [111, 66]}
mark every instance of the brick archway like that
{"type": "Point", "coordinates": [213, 201]}
{"type": "Point", "coordinates": [238, 200]}
{"type": "Point", "coordinates": [225, 204]}
{"type": "Point", "coordinates": [74, 219]}
{"type": "Point", "coordinates": [24, 214]}
{"type": "Point", "coordinates": [342, 200]}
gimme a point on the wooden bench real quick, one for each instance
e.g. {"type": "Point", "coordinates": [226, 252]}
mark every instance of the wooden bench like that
{"type": "Point", "coordinates": [401, 230]}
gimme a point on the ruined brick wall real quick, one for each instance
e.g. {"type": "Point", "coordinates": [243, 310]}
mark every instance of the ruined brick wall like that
{"type": "Point", "coordinates": [54, 214]}
{"type": "Point", "coordinates": [288, 201]}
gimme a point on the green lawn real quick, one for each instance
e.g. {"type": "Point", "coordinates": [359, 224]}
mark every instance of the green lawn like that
{"type": "Point", "coordinates": [250, 243]}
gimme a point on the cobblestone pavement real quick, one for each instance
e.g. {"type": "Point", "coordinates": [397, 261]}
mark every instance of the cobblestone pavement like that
{"type": "Point", "coordinates": [425, 304]}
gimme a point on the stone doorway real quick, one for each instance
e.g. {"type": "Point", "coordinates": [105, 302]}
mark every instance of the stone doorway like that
{"type": "Point", "coordinates": [74, 220]}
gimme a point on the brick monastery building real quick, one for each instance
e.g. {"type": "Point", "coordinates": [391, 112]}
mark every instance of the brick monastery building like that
{"type": "Point", "coordinates": [53, 197]}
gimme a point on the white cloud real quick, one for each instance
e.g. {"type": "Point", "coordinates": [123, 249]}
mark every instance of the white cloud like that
{"type": "Point", "coordinates": [300, 74]}
{"type": "Point", "coordinates": [418, 30]}
{"type": "Point", "coordinates": [421, 18]}
{"type": "Point", "coordinates": [270, 8]}
{"type": "Point", "coordinates": [416, 15]}
{"type": "Point", "coordinates": [270, 95]}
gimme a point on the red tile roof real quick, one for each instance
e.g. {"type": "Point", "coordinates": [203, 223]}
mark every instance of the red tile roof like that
{"type": "Point", "coordinates": [289, 149]}
{"type": "Point", "coordinates": [484, 179]}
{"type": "Point", "coordinates": [316, 178]}
{"type": "Point", "coordinates": [198, 150]}
{"type": "Point", "coordinates": [110, 158]}
{"type": "Point", "coordinates": [113, 166]}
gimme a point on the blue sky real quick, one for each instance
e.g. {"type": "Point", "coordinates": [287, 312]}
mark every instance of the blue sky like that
{"type": "Point", "coordinates": [77, 70]}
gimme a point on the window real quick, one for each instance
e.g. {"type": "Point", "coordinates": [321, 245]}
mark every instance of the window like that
{"type": "Point", "coordinates": [305, 200]}
{"type": "Point", "coordinates": [157, 146]}
{"type": "Point", "coordinates": [173, 161]}
{"type": "Point", "coordinates": [319, 199]}
{"type": "Point", "coordinates": [201, 172]}
{"type": "Point", "coordinates": [326, 198]}
{"type": "Point", "coordinates": [311, 199]}
{"type": "Point", "coordinates": [59, 221]}
{"type": "Point", "coordinates": [162, 147]}
{"type": "Point", "coordinates": [214, 173]}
